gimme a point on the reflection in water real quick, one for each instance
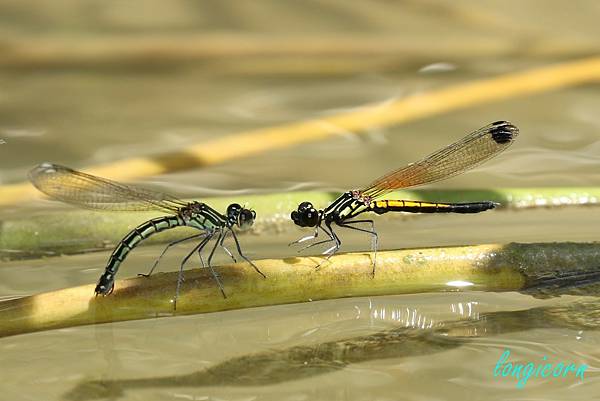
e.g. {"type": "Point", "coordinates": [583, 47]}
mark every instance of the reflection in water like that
{"type": "Point", "coordinates": [301, 362]}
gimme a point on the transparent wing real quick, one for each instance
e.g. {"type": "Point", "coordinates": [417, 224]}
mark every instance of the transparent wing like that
{"type": "Point", "coordinates": [85, 190]}
{"type": "Point", "coordinates": [454, 159]}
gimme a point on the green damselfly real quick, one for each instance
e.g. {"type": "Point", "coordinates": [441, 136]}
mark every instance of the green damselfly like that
{"type": "Point", "coordinates": [88, 191]}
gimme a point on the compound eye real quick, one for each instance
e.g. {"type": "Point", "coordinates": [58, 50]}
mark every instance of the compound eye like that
{"type": "Point", "coordinates": [245, 219]}
{"type": "Point", "coordinates": [305, 206]}
{"type": "Point", "coordinates": [297, 219]}
{"type": "Point", "coordinates": [312, 217]}
{"type": "Point", "coordinates": [233, 208]}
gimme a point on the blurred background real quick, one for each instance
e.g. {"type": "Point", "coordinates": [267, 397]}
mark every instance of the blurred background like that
{"type": "Point", "coordinates": [91, 82]}
{"type": "Point", "coordinates": [88, 82]}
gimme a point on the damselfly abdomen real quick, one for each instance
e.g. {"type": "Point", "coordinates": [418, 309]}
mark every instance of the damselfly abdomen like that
{"type": "Point", "coordinates": [453, 159]}
{"type": "Point", "coordinates": [85, 190]}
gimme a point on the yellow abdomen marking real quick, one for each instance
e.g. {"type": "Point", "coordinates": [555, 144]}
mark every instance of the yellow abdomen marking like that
{"type": "Point", "coordinates": [385, 204]}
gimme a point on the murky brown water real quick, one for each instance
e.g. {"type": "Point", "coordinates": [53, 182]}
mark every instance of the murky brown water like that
{"type": "Point", "coordinates": [79, 110]}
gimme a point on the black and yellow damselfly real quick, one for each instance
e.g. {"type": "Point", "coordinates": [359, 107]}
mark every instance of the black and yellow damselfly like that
{"type": "Point", "coordinates": [454, 159]}
{"type": "Point", "coordinates": [88, 191]}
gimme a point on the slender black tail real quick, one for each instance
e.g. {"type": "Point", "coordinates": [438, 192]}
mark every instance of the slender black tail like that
{"type": "Point", "coordinates": [385, 206]}
{"type": "Point", "coordinates": [107, 280]}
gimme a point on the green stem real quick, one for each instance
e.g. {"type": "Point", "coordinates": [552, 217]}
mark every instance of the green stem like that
{"type": "Point", "coordinates": [76, 231]}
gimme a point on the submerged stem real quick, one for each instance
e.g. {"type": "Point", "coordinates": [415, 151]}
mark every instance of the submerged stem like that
{"type": "Point", "coordinates": [76, 231]}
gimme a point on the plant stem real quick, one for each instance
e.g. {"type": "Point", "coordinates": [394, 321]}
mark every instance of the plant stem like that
{"type": "Point", "coordinates": [544, 269]}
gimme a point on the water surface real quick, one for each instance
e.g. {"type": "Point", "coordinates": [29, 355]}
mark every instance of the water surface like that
{"type": "Point", "coordinates": [79, 112]}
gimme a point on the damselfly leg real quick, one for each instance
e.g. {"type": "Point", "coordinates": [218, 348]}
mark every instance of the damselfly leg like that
{"type": "Point", "coordinates": [165, 251]}
{"type": "Point", "coordinates": [239, 249]}
{"type": "Point", "coordinates": [334, 249]}
{"type": "Point", "coordinates": [227, 251]}
{"type": "Point", "coordinates": [330, 239]}
{"type": "Point", "coordinates": [219, 243]}
{"type": "Point", "coordinates": [198, 248]}
{"type": "Point", "coordinates": [209, 262]}
{"type": "Point", "coordinates": [304, 239]}
{"type": "Point", "coordinates": [374, 236]}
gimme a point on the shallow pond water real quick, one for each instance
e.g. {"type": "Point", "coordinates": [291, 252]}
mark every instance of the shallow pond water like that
{"type": "Point", "coordinates": [86, 106]}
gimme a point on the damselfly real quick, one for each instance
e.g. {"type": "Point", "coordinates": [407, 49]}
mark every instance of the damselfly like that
{"type": "Point", "coordinates": [454, 159]}
{"type": "Point", "coordinates": [85, 190]}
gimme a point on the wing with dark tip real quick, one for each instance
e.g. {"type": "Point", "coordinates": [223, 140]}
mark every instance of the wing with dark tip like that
{"type": "Point", "coordinates": [85, 190]}
{"type": "Point", "coordinates": [452, 160]}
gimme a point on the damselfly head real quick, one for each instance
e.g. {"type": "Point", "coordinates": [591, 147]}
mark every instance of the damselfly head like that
{"type": "Point", "coordinates": [240, 216]}
{"type": "Point", "coordinates": [306, 215]}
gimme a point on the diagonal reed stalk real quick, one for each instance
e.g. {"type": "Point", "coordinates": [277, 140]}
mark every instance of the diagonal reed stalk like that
{"type": "Point", "coordinates": [359, 120]}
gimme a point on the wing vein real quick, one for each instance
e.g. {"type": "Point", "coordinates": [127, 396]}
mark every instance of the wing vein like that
{"type": "Point", "coordinates": [449, 161]}
{"type": "Point", "coordinates": [86, 190]}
